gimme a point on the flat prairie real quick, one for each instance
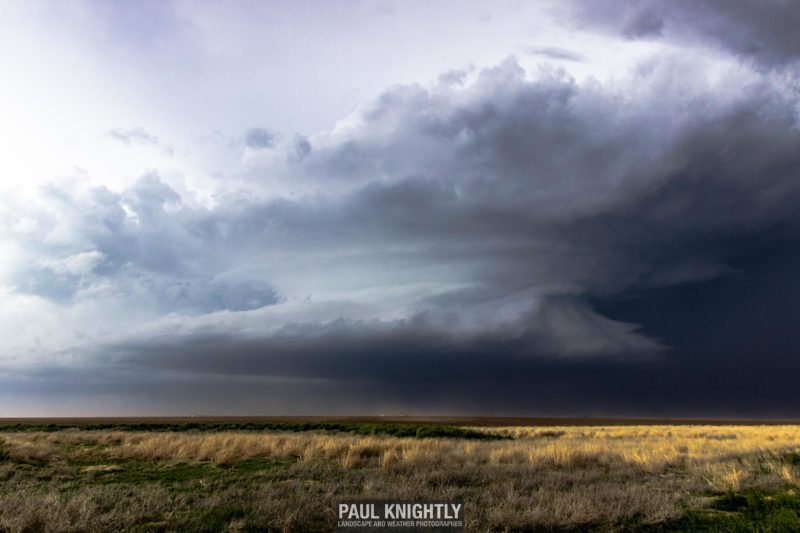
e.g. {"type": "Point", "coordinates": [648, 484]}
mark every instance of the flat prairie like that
{"type": "Point", "coordinates": [286, 474]}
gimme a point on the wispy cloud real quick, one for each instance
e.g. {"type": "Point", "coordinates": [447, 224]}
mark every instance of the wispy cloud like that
{"type": "Point", "coordinates": [133, 136]}
{"type": "Point", "coordinates": [551, 52]}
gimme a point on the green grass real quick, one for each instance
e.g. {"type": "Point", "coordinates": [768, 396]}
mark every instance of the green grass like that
{"type": "Point", "coordinates": [741, 512]}
{"type": "Point", "coordinates": [136, 472]}
{"type": "Point", "coordinates": [258, 464]}
{"type": "Point", "coordinates": [397, 430]}
{"type": "Point", "coordinates": [142, 471]}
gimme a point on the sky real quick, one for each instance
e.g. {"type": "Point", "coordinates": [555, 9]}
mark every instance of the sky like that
{"type": "Point", "coordinates": [550, 208]}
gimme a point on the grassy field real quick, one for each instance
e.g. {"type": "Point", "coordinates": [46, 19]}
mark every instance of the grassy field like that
{"type": "Point", "coordinates": [286, 476]}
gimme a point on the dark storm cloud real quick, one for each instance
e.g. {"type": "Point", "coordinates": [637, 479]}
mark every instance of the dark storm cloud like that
{"type": "Point", "coordinates": [565, 190]}
{"type": "Point", "coordinates": [765, 32]}
{"type": "Point", "coordinates": [376, 351]}
{"type": "Point", "coordinates": [521, 191]}
{"type": "Point", "coordinates": [552, 226]}
{"type": "Point", "coordinates": [551, 184]}
{"type": "Point", "coordinates": [734, 355]}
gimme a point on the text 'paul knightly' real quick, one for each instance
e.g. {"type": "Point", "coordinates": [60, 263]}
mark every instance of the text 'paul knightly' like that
{"type": "Point", "coordinates": [399, 515]}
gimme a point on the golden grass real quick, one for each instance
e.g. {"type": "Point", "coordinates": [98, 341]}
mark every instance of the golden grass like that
{"type": "Point", "coordinates": [722, 455]}
{"type": "Point", "coordinates": [548, 477]}
{"type": "Point", "coordinates": [654, 448]}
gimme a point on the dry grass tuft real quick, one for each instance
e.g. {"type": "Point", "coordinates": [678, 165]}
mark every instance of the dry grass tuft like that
{"type": "Point", "coordinates": [102, 469]}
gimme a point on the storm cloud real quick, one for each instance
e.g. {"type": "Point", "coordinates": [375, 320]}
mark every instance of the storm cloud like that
{"type": "Point", "coordinates": [565, 244]}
